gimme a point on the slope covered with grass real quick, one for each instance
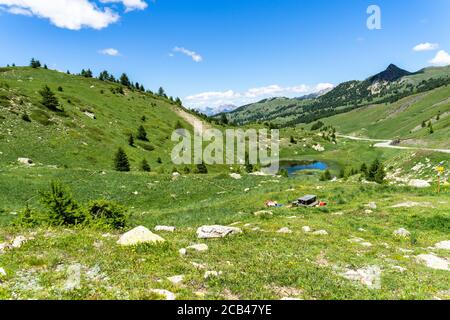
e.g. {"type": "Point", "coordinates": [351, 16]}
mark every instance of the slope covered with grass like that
{"type": "Point", "coordinates": [96, 120]}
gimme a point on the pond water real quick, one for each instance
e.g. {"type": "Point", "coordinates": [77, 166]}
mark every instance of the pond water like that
{"type": "Point", "coordinates": [293, 167]}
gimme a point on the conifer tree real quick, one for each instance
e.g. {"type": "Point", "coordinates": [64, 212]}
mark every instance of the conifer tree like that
{"type": "Point", "coordinates": [121, 162]}
{"type": "Point", "coordinates": [142, 134]}
{"type": "Point", "coordinates": [49, 99]}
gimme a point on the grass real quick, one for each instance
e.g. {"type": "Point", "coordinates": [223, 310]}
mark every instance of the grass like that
{"type": "Point", "coordinates": [256, 264]}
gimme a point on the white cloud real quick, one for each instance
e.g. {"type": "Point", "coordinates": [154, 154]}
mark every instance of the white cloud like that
{"type": "Point", "coordinates": [130, 5]}
{"type": "Point", "coordinates": [426, 47]}
{"type": "Point", "coordinates": [110, 52]}
{"type": "Point", "coordinates": [442, 58]}
{"type": "Point", "coordinates": [195, 56]}
{"type": "Point", "coordinates": [71, 14]}
{"type": "Point", "coordinates": [216, 99]}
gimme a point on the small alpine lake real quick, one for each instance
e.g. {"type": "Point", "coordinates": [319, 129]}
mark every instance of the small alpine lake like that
{"type": "Point", "coordinates": [293, 167]}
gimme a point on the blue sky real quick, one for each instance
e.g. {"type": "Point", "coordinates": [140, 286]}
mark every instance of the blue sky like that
{"type": "Point", "coordinates": [214, 52]}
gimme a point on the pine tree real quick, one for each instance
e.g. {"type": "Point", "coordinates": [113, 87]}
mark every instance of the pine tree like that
{"type": "Point", "coordinates": [121, 162]}
{"type": "Point", "coordinates": [224, 119]}
{"type": "Point", "coordinates": [35, 63]}
{"type": "Point", "coordinates": [161, 92]}
{"type": "Point", "coordinates": [373, 170]}
{"type": "Point", "coordinates": [326, 176]}
{"type": "Point", "coordinates": [142, 134]}
{"type": "Point", "coordinates": [49, 99]}
{"type": "Point", "coordinates": [380, 174]}
{"type": "Point", "coordinates": [424, 124]}
{"type": "Point", "coordinates": [124, 80]}
{"type": "Point", "coordinates": [364, 169]}
{"type": "Point", "coordinates": [159, 160]}
{"type": "Point", "coordinates": [145, 166]}
{"type": "Point", "coordinates": [131, 140]}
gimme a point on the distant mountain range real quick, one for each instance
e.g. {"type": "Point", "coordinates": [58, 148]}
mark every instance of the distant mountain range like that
{"type": "Point", "coordinates": [387, 86]}
{"type": "Point", "coordinates": [225, 108]}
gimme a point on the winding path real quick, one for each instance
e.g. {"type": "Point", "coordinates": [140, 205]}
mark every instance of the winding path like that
{"type": "Point", "coordinates": [388, 144]}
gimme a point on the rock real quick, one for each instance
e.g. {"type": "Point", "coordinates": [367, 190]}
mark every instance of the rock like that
{"type": "Point", "coordinates": [246, 189]}
{"type": "Point", "coordinates": [2, 272]}
{"type": "Point", "coordinates": [402, 233]}
{"type": "Point", "coordinates": [434, 262]}
{"type": "Point", "coordinates": [236, 176]}
{"type": "Point", "coordinates": [176, 280]}
{"type": "Point", "coordinates": [139, 235]}
{"type": "Point", "coordinates": [412, 204]}
{"type": "Point", "coordinates": [318, 148]}
{"type": "Point", "coordinates": [306, 229]}
{"type": "Point", "coordinates": [369, 276]}
{"type": "Point", "coordinates": [372, 205]}
{"type": "Point", "coordinates": [25, 161]}
{"type": "Point", "coordinates": [182, 251]}
{"type": "Point", "coordinates": [18, 241]}
{"type": "Point", "coordinates": [444, 245]}
{"type": "Point", "coordinates": [89, 115]}
{"type": "Point", "coordinates": [366, 244]}
{"type": "Point", "coordinates": [337, 214]}
{"type": "Point", "coordinates": [417, 183]}
{"type": "Point", "coordinates": [368, 211]}
{"type": "Point", "coordinates": [284, 230]}
{"type": "Point", "coordinates": [199, 266]}
{"type": "Point", "coordinates": [166, 294]}
{"type": "Point", "coordinates": [209, 274]}
{"type": "Point", "coordinates": [198, 247]}
{"type": "Point", "coordinates": [400, 269]}
{"type": "Point", "coordinates": [208, 232]}
{"type": "Point", "coordinates": [73, 277]}
{"type": "Point", "coordinates": [263, 213]}
{"type": "Point", "coordinates": [165, 228]}
{"type": "Point", "coordinates": [320, 233]}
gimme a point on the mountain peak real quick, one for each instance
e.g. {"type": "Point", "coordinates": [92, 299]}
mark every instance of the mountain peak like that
{"type": "Point", "coordinates": [392, 73]}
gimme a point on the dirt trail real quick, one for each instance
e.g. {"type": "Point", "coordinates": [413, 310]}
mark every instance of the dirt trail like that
{"type": "Point", "coordinates": [195, 122]}
{"type": "Point", "coordinates": [388, 144]}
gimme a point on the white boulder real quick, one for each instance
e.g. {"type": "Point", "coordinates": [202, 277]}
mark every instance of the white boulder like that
{"type": "Point", "coordinates": [444, 245]}
{"type": "Point", "coordinates": [139, 235]}
{"type": "Point", "coordinates": [198, 247]}
{"type": "Point", "coordinates": [25, 161]}
{"type": "Point", "coordinates": [165, 228]}
{"type": "Point", "coordinates": [236, 176]}
{"type": "Point", "coordinates": [434, 262]}
{"type": "Point", "coordinates": [285, 230]}
{"type": "Point", "coordinates": [417, 183]}
{"type": "Point", "coordinates": [369, 276]}
{"type": "Point", "coordinates": [402, 232]}
{"type": "Point", "coordinates": [208, 232]}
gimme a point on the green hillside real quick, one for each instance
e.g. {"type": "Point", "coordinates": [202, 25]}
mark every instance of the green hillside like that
{"type": "Point", "coordinates": [389, 86]}
{"type": "Point", "coordinates": [96, 120]}
{"type": "Point", "coordinates": [402, 119]}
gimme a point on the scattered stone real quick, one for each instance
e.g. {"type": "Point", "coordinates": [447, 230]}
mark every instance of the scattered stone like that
{"type": "Point", "coordinates": [400, 269]}
{"type": "Point", "coordinates": [355, 240]}
{"type": "Point", "coordinates": [444, 245]}
{"type": "Point", "coordinates": [412, 204]}
{"type": "Point", "coordinates": [73, 277]}
{"type": "Point", "coordinates": [372, 205]}
{"type": "Point", "coordinates": [306, 229]}
{"type": "Point", "coordinates": [199, 266]}
{"type": "Point", "coordinates": [182, 251]}
{"type": "Point", "coordinates": [263, 213]}
{"type": "Point", "coordinates": [368, 211]}
{"type": "Point", "coordinates": [417, 183]}
{"type": "Point", "coordinates": [25, 161]}
{"type": "Point", "coordinates": [210, 274]}
{"type": "Point", "coordinates": [362, 230]}
{"type": "Point", "coordinates": [139, 235]}
{"type": "Point", "coordinates": [208, 232]}
{"type": "Point", "coordinates": [198, 247]}
{"type": "Point", "coordinates": [176, 280]}
{"type": "Point", "coordinates": [366, 244]}
{"type": "Point", "coordinates": [402, 232]}
{"type": "Point", "coordinates": [337, 214]}
{"type": "Point", "coordinates": [369, 276]}
{"type": "Point", "coordinates": [320, 233]}
{"type": "Point", "coordinates": [284, 230]}
{"type": "Point", "coordinates": [434, 262]}
{"type": "Point", "coordinates": [164, 293]}
{"type": "Point", "coordinates": [246, 189]}
{"type": "Point", "coordinates": [89, 115]}
{"type": "Point", "coordinates": [165, 228]}
{"type": "Point", "coordinates": [236, 176]}
{"type": "Point", "coordinates": [2, 272]}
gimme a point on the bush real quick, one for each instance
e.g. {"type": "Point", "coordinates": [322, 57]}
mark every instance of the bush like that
{"type": "Point", "coordinates": [62, 208]}
{"type": "Point", "coordinates": [284, 173]}
{"type": "Point", "coordinates": [326, 176]}
{"type": "Point", "coordinates": [201, 168]}
{"type": "Point", "coordinates": [107, 213]}
{"type": "Point", "coordinates": [26, 117]}
{"type": "Point", "coordinates": [27, 218]}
